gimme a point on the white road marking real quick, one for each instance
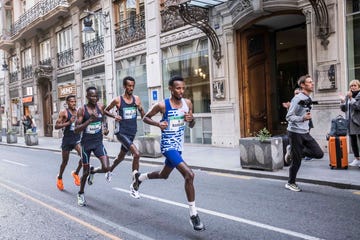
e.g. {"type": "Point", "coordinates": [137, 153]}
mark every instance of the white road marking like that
{"type": "Point", "coordinates": [72, 209]}
{"type": "Point", "coordinates": [229, 217]}
{"type": "Point", "coordinates": [13, 162]}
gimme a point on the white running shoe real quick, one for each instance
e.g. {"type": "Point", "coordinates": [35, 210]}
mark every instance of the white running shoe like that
{"type": "Point", "coordinates": [90, 179]}
{"type": "Point", "coordinates": [108, 176]}
{"type": "Point", "coordinates": [133, 192]}
{"type": "Point", "coordinates": [292, 187]}
{"type": "Point", "coordinates": [355, 163]}
{"type": "Point", "coordinates": [81, 200]}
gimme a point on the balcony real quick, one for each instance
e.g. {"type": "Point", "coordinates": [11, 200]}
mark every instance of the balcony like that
{"type": "Point", "coordinates": [93, 47]}
{"type": "Point", "coordinates": [38, 17]}
{"type": "Point", "coordinates": [65, 58]}
{"type": "Point", "coordinates": [13, 76]}
{"type": "Point", "coordinates": [130, 30]}
{"type": "Point", "coordinates": [26, 72]}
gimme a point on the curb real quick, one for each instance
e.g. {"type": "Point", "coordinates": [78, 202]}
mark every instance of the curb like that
{"type": "Point", "coordinates": [228, 171]}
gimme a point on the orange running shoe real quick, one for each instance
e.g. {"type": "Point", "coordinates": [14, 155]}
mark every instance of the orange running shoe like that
{"type": "Point", "coordinates": [76, 178]}
{"type": "Point", "coordinates": [60, 184]}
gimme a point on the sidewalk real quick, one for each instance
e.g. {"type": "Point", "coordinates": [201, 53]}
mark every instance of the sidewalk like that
{"type": "Point", "coordinates": [227, 160]}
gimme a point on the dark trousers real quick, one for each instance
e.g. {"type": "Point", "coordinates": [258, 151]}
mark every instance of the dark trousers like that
{"type": "Point", "coordinates": [354, 145]}
{"type": "Point", "coordinates": [302, 144]}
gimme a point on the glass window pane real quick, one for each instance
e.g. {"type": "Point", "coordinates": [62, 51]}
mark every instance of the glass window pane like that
{"type": "Point", "coordinates": [353, 39]}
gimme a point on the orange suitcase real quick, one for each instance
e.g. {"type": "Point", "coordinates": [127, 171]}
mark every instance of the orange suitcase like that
{"type": "Point", "coordinates": [338, 153]}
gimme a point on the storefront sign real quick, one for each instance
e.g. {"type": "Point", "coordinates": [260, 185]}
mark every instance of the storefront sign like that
{"type": "Point", "coordinates": [66, 90]}
{"type": "Point", "coordinates": [28, 99]}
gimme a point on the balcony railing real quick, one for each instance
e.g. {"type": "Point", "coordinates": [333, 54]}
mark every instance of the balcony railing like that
{"type": "Point", "coordinates": [38, 10]}
{"type": "Point", "coordinates": [130, 30]}
{"type": "Point", "coordinates": [93, 47]}
{"type": "Point", "coordinates": [46, 61]}
{"type": "Point", "coordinates": [65, 58]}
{"type": "Point", "coordinates": [13, 76]}
{"type": "Point", "coordinates": [26, 72]}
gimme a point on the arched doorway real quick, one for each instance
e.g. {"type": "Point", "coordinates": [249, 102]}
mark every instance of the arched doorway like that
{"type": "Point", "coordinates": [45, 93]}
{"type": "Point", "coordinates": [272, 55]}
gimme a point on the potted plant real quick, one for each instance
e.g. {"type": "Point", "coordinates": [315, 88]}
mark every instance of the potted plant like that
{"type": "Point", "coordinates": [11, 136]}
{"type": "Point", "coordinates": [31, 138]}
{"type": "Point", "coordinates": [261, 152]}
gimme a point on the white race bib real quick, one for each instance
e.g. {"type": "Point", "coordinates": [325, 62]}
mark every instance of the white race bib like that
{"type": "Point", "coordinates": [176, 122]}
{"type": "Point", "coordinates": [93, 128]}
{"type": "Point", "coordinates": [129, 112]}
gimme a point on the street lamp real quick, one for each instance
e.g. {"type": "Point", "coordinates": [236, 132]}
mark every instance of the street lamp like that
{"type": "Point", "coordinates": [88, 22]}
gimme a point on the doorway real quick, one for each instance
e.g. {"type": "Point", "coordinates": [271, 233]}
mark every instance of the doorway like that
{"type": "Point", "coordinates": [45, 88]}
{"type": "Point", "coordinates": [272, 55]}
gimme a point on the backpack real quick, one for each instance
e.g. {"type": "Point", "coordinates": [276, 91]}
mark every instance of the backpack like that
{"type": "Point", "coordinates": [339, 126]}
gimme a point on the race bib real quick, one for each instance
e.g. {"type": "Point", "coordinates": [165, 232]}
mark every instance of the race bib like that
{"type": "Point", "coordinates": [176, 122]}
{"type": "Point", "coordinates": [93, 128]}
{"type": "Point", "coordinates": [129, 113]}
{"type": "Point", "coordinates": [72, 126]}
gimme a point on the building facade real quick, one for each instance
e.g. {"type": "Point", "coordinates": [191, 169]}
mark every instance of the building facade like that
{"type": "Point", "coordinates": [240, 58]}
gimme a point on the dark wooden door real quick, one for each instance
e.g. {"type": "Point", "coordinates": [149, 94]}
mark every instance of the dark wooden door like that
{"type": "Point", "coordinates": [254, 85]}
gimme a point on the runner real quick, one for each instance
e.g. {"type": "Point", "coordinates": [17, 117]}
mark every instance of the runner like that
{"type": "Point", "coordinates": [70, 140]}
{"type": "Point", "coordinates": [91, 121]}
{"type": "Point", "coordinates": [127, 106]}
{"type": "Point", "coordinates": [176, 111]}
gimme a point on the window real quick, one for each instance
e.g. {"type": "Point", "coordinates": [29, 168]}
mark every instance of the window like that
{"type": "Point", "coordinates": [353, 38]}
{"type": "Point", "coordinates": [64, 40]}
{"type": "Point", "coordinates": [99, 83]}
{"type": "Point", "coordinates": [45, 51]}
{"type": "Point", "coordinates": [26, 58]}
{"type": "Point", "coordinates": [190, 60]}
{"type": "Point", "coordinates": [97, 25]}
{"type": "Point", "coordinates": [136, 68]}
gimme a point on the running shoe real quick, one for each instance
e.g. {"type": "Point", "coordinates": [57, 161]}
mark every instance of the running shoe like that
{"type": "Point", "coordinates": [136, 182]}
{"type": "Point", "coordinates": [76, 178]}
{"type": "Point", "coordinates": [196, 223]}
{"type": "Point", "coordinates": [108, 176]}
{"type": "Point", "coordinates": [355, 163]}
{"type": "Point", "coordinates": [292, 187]}
{"type": "Point", "coordinates": [81, 200]}
{"type": "Point", "coordinates": [59, 184]}
{"type": "Point", "coordinates": [134, 193]}
{"type": "Point", "coordinates": [90, 179]}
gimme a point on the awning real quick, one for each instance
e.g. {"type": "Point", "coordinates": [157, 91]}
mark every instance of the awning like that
{"type": "Point", "coordinates": [206, 3]}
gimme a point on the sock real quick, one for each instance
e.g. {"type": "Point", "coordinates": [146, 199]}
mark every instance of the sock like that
{"type": "Point", "coordinates": [143, 177]}
{"type": "Point", "coordinates": [134, 172]}
{"type": "Point", "coordinates": [192, 209]}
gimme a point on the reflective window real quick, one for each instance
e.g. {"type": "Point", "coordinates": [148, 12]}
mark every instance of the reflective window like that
{"type": "Point", "coordinates": [136, 68]}
{"type": "Point", "coordinates": [353, 38]}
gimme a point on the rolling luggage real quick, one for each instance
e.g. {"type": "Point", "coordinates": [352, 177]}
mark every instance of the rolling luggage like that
{"type": "Point", "coordinates": [338, 153]}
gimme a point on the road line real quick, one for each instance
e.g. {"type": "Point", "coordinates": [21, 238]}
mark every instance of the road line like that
{"type": "Point", "coordinates": [13, 162]}
{"type": "Point", "coordinates": [229, 217]}
{"type": "Point", "coordinates": [230, 175]}
{"type": "Point", "coordinates": [75, 219]}
{"type": "Point", "coordinates": [81, 211]}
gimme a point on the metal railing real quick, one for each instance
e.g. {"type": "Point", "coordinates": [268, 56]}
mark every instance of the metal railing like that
{"type": "Point", "coordinates": [26, 72]}
{"type": "Point", "coordinates": [130, 30]}
{"type": "Point", "coordinates": [38, 10]}
{"type": "Point", "coordinates": [93, 47]}
{"type": "Point", "coordinates": [65, 58]}
{"type": "Point", "coordinates": [13, 76]}
{"type": "Point", "coordinates": [46, 61]}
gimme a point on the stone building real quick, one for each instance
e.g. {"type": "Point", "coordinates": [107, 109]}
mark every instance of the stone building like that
{"type": "Point", "coordinates": [240, 58]}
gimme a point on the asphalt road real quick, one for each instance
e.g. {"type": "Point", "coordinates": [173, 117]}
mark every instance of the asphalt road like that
{"type": "Point", "coordinates": [231, 206]}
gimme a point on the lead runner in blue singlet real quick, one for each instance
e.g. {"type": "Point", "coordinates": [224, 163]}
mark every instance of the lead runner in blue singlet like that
{"type": "Point", "coordinates": [127, 106]}
{"type": "Point", "coordinates": [90, 121]}
{"type": "Point", "coordinates": [176, 111]}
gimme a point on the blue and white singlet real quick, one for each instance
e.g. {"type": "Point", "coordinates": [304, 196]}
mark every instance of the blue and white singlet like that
{"type": "Point", "coordinates": [172, 138]}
